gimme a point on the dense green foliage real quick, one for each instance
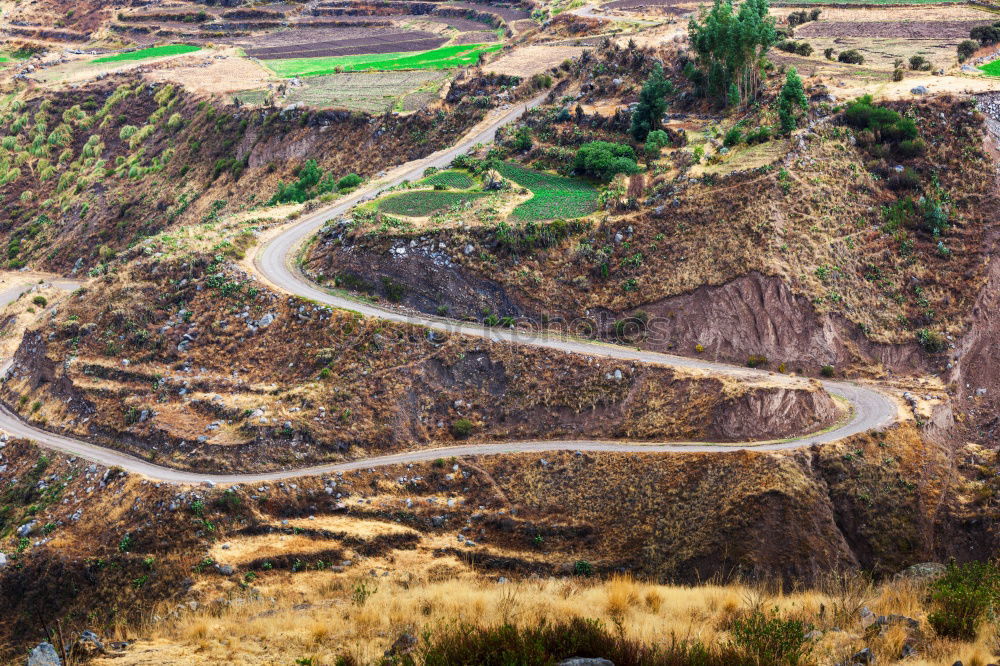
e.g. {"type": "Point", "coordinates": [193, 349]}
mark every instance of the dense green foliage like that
{"type": "Point", "coordinates": [769, 639]}
{"type": "Point", "coordinates": [730, 46]}
{"type": "Point", "coordinates": [152, 52]}
{"type": "Point", "coordinates": [964, 597]}
{"type": "Point", "coordinates": [603, 159]}
{"type": "Point", "coordinates": [652, 104]}
{"type": "Point", "coordinates": [459, 55]}
{"type": "Point", "coordinates": [554, 196]}
{"type": "Point", "coordinates": [791, 99]}
{"type": "Point", "coordinates": [425, 202]}
{"type": "Point", "coordinates": [311, 183]}
{"type": "Point", "coordinates": [887, 124]}
{"type": "Point", "coordinates": [656, 141]}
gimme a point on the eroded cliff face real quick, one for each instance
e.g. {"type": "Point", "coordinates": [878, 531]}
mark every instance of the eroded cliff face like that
{"type": "Point", "coordinates": [975, 365]}
{"type": "Point", "coordinates": [187, 361]}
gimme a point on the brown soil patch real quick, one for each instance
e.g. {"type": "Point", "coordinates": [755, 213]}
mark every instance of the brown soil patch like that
{"type": "Point", "coordinates": [890, 29]}
{"type": "Point", "coordinates": [532, 60]}
{"type": "Point", "coordinates": [381, 42]}
{"type": "Point", "coordinates": [213, 75]}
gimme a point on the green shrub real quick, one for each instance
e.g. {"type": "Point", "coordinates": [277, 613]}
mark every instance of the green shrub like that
{"type": "Point", "coordinates": [127, 132]}
{"type": "Point", "coordinates": [40, 301]}
{"type": "Point", "coordinates": [827, 371]}
{"type": "Point", "coordinates": [461, 428]}
{"type": "Point", "coordinates": [733, 137]}
{"type": "Point", "coordinates": [349, 181]}
{"type": "Point", "coordinates": [966, 49]}
{"type": "Point", "coordinates": [603, 159]}
{"type": "Point", "coordinates": [756, 361]}
{"type": "Point", "coordinates": [933, 343]}
{"type": "Point", "coordinates": [919, 63]}
{"type": "Point", "coordinates": [655, 141]}
{"type": "Point", "coordinates": [851, 57]}
{"type": "Point", "coordinates": [765, 638]}
{"type": "Point", "coordinates": [963, 598]}
{"type": "Point", "coordinates": [583, 568]}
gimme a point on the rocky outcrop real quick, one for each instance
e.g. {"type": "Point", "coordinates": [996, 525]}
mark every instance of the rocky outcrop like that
{"type": "Point", "coordinates": [758, 315]}
{"type": "Point", "coordinates": [772, 413]}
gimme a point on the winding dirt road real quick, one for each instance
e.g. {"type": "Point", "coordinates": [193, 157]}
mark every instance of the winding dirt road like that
{"type": "Point", "coordinates": [870, 408]}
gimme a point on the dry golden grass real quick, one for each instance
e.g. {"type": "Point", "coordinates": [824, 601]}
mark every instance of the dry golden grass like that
{"type": "Point", "coordinates": [277, 626]}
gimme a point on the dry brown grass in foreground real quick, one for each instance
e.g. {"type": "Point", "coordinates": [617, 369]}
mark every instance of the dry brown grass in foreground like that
{"type": "Point", "coordinates": [332, 616]}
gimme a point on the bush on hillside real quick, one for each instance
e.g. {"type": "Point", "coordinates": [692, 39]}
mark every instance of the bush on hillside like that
{"type": "Point", "coordinates": [966, 49]}
{"type": "Point", "coordinates": [851, 57]}
{"type": "Point", "coordinates": [964, 597]}
{"type": "Point", "coordinates": [603, 159]}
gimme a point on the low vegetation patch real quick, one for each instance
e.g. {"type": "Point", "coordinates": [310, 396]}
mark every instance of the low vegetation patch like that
{"type": "Point", "coordinates": [461, 55]}
{"type": "Point", "coordinates": [424, 203]}
{"type": "Point", "coordinates": [152, 52]}
{"type": "Point", "coordinates": [554, 196]}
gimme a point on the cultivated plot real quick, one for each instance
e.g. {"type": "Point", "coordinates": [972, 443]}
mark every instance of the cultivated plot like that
{"type": "Point", "coordinates": [425, 202]}
{"type": "Point", "coordinates": [443, 58]}
{"type": "Point", "coordinates": [368, 91]}
{"type": "Point", "coordinates": [553, 196]}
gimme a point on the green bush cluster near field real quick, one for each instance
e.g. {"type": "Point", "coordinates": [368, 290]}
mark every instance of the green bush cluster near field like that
{"type": "Point", "coordinates": [554, 196]}
{"type": "Point", "coordinates": [152, 52]}
{"type": "Point", "coordinates": [425, 202]}
{"type": "Point", "coordinates": [460, 55]}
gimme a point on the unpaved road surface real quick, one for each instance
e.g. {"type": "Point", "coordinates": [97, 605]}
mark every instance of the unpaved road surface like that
{"type": "Point", "coordinates": [870, 408]}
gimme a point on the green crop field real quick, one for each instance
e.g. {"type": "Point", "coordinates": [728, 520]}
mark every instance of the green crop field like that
{"type": "Point", "coordinates": [554, 196]}
{"type": "Point", "coordinates": [152, 52]}
{"type": "Point", "coordinates": [461, 55]}
{"type": "Point", "coordinates": [452, 179]}
{"type": "Point", "coordinates": [887, 3]}
{"type": "Point", "coordinates": [992, 68]}
{"type": "Point", "coordinates": [421, 204]}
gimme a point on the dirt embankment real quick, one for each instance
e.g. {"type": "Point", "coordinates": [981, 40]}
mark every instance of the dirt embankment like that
{"type": "Point", "coordinates": [144, 361]}
{"type": "Point", "coordinates": [876, 502]}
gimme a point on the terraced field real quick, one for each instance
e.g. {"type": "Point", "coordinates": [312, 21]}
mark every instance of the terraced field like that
{"type": "Point", "coordinates": [356, 41]}
{"type": "Point", "coordinates": [445, 57]}
{"type": "Point", "coordinates": [152, 52]}
{"type": "Point", "coordinates": [425, 202]}
{"type": "Point", "coordinates": [554, 196]}
{"type": "Point", "coordinates": [452, 178]}
{"type": "Point", "coordinates": [368, 91]}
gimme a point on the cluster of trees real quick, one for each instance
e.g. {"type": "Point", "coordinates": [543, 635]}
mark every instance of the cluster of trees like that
{"type": "Point", "coordinates": [800, 17]}
{"type": "Point", "coordinates": [981, 35]}
{"type": "Point", "coordinates": [730, 46]}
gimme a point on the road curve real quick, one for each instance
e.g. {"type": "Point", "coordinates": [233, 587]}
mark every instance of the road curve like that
{"type": "Point", "coordinates": [870, 408]}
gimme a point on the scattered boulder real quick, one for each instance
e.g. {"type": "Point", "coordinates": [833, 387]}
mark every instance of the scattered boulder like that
{"type": "Point", "coordinates": [402, 645]}
{"type": "Point", "coordinates": [919, 90]}
{"type": "Point", "coordinates": [44, 654]}
{"type": "Point", "coordinates": [866, 656]}
{"type": "Point", "coordinates": [924, 570]}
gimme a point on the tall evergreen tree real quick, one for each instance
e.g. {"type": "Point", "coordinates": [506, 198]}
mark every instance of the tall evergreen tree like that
{"type": "Point", "coordinates": [792, 95]}
{"type": "Point", "coordinates": [652, 104]}
{"type": "Point", "coordinates": [730, 46]}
